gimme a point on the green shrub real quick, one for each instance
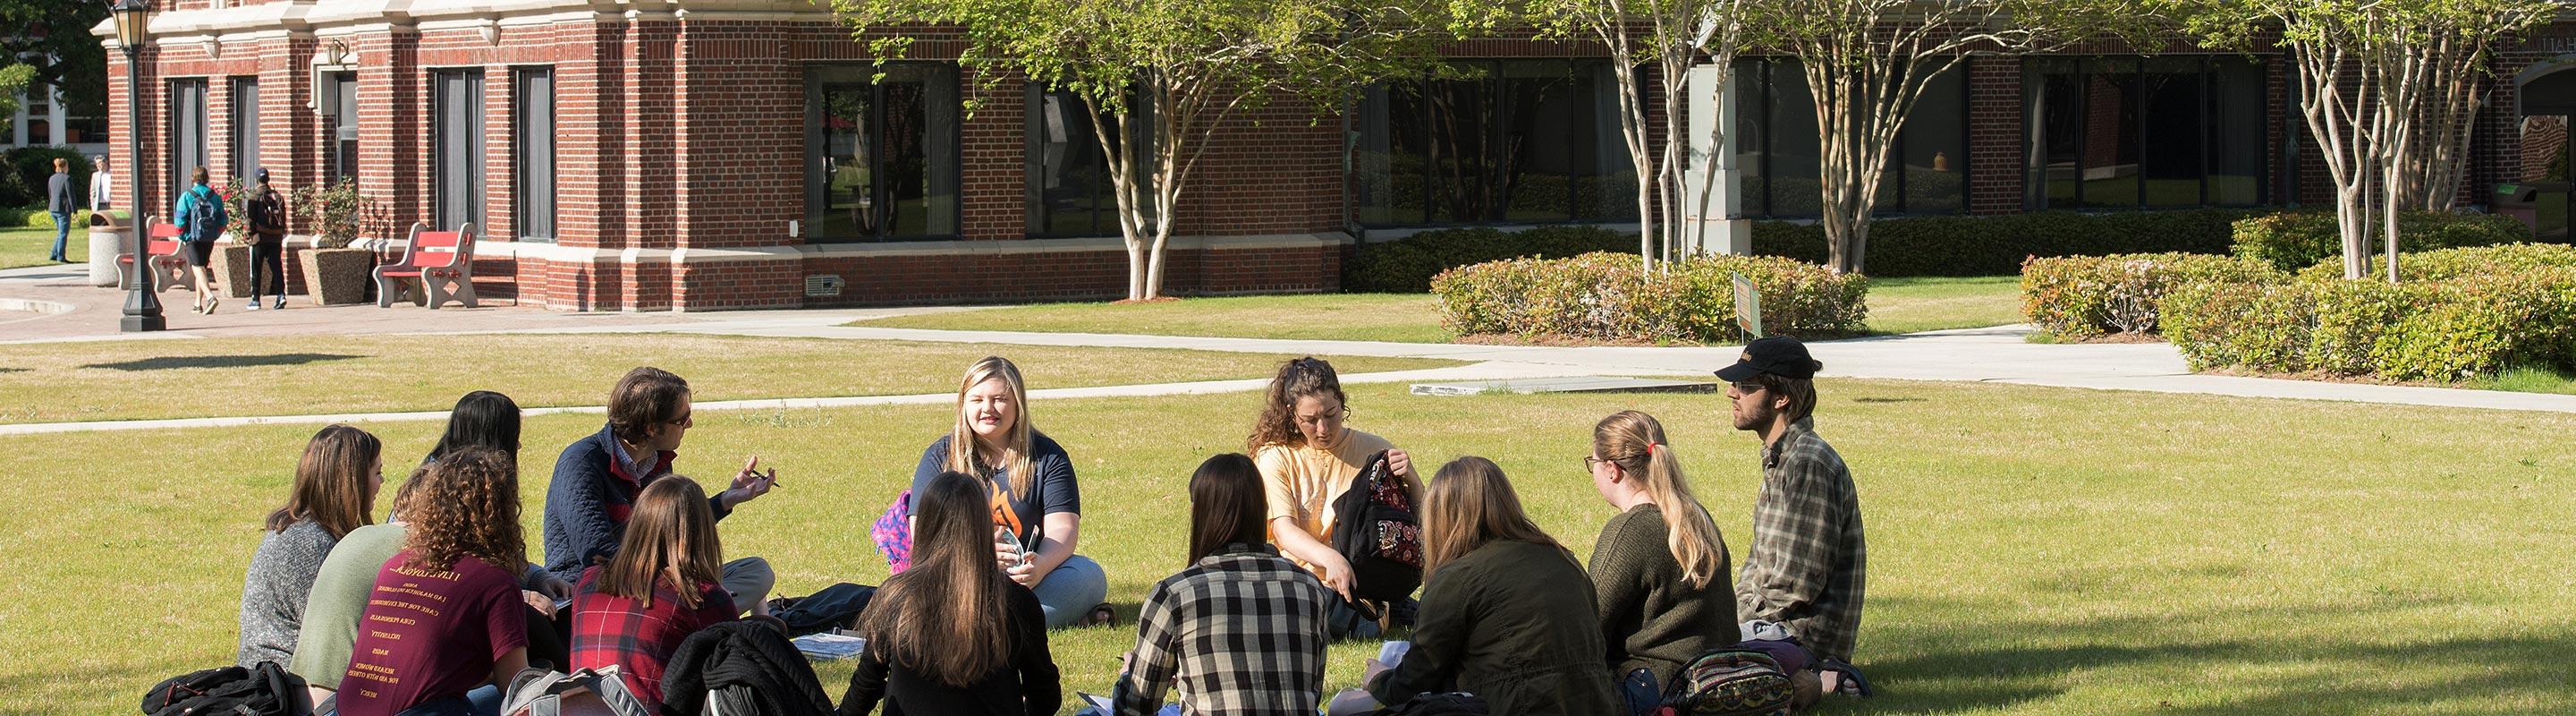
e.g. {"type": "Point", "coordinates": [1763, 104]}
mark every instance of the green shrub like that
{"type": "Point", "coordinates": [26, 216]}
{"type": "Point", "coordinates": [2294, 240]}
{"type": "Point", "coordinates": [1605, 296]}
{"type": "Point", "coordinates": [1996, 245]}
{"type": "Point", "coordinates": [2439, 331]}
{"type": "Point", "coordinates": [1406, 265]}
{"type": "Point", "coordinates": [30, 169]}
{"type": "Point", "coordinates": [2447, 264]}
{"type": "Point", "coordinates": [2080, 297]}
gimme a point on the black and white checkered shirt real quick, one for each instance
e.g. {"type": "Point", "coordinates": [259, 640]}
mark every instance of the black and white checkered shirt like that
{"type": "Point", "coordinates": [1241, 632]}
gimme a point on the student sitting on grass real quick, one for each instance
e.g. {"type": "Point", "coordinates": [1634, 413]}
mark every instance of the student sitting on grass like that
{"type": "Point", "coordinates": [1036, 502]}
{"type": "Point", "coordinates": [634, 612]}
{"type": "Point", "coordinates": [334, 493]}
{"type": "Point", "coordinates": [1500, 612]}
{"type": "Point", "coordinates": [1308, 457]}
{"type": "Point", "coordinates": [953, 636]}
{"type": "Point", "coordinates": [1659, 567]}
{"type": "Point", "coordinates": [1241, 631]}
{"type": "Point", "coordinates": [446, 618]}
{"type": "Point", "coordinates": [480, 419]}
{"type": "Point", "coordinates": [1804, 576]}
{"type": "Point", "coordinates": [596, 481]}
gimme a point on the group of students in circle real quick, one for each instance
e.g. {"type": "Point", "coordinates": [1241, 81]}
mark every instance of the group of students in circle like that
{"type": "Point", "coordinates": [434, 611]}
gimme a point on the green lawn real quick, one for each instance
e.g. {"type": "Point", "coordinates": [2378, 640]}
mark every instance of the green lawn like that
{"type": "Point", "coordinates": [2033, 550]}
{"type": "Point", "coordinates": [1931, 303]}
{"type": "Point", "coordinates": [29, 246]}
{"type": "Point", "coordinates": [1896, 305]}
{"type": "Point", "coordinates": [55, 382]}
{"type": "Point", "coordinates": [2528, 380]}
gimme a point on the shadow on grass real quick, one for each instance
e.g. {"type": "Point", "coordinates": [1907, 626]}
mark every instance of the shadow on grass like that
{"type": "Point", "coordinates": [172, 362]}
{"type": "Point", "coordinates": [1995, 667]}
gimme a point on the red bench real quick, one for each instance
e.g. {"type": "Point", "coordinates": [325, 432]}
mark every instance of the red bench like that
{"type": "Point", "coordinates": [436, 267]}
{"type": "Point", "coordinates": [169, 269]}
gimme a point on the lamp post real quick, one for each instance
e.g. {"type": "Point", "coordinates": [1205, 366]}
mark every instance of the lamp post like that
{"type": "Point", "coordinates": [142, 303]}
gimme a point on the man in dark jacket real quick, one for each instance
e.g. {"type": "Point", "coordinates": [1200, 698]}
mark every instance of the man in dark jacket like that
{"type": "Point", "coordinates": [60, 203]}
{"type": "Point", "coordinates": [267, 212]}
{"type": "Point", "coordinates": [597, 478]}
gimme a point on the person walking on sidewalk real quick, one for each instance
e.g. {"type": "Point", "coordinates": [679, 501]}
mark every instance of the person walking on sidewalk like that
{"type": "Point", "coordinates": [267, 212]}
{"type": "Point", "coordinates": [201, 219]}
{"type": "Point", "coordinates": [59, 202]}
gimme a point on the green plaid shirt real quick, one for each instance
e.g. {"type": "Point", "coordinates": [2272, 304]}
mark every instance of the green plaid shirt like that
{"type": "Point", "coordinates": [1808, 563]}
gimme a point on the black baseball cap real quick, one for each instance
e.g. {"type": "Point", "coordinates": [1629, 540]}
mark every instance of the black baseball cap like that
{"type": "Point", "coordinates": [263, 174]}
{"type": "Point", "coordinates": [1779, 355]}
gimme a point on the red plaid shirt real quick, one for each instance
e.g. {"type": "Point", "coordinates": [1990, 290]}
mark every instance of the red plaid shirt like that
{"type": "Point", "coordinates": [609, 629]}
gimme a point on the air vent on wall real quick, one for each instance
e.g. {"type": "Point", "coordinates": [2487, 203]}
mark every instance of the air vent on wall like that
{"type": "Point", "coordinates": [822, 285]}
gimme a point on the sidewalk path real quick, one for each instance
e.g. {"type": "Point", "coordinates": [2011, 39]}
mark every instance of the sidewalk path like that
{"type": "Point", "coordinates": [1998, 355]}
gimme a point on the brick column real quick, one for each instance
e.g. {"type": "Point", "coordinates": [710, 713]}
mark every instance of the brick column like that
{"type": "Point", "coordinates": [1995, 161]}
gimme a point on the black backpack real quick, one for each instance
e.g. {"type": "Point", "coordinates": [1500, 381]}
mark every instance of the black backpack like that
{"type": "Point", "coordinates": [264, 690]}
{"type": "Point", "coordinates": [836, 607]}
{"type": "Point", "coordinates": [1377, 531]}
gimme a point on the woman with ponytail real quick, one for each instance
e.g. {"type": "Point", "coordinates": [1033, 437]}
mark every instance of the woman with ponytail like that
{"type": "Point", "coordinates": [1660, 567]}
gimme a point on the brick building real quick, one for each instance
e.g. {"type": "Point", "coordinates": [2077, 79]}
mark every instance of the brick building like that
{"type": "Point", "coordinates": [715, 154]}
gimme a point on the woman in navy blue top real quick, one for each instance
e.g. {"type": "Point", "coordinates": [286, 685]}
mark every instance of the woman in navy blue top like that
{"type": "Point", "coordinates": [1037, 505]}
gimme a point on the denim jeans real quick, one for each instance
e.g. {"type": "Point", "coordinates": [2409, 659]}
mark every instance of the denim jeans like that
{"type": "Point", "coordinates": [62, 233]}
{"type": "Point", "coordinates": [1069, 592]}
{"type": "Point", "coordinates": [1642, 692]}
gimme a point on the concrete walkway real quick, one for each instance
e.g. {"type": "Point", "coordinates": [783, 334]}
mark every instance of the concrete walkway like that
{"type": "Point", "coordinates": [1998, 355]}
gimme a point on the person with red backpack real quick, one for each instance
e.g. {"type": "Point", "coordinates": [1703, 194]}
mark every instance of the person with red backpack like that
{"type": "Point", "coordinates": [201, 219]}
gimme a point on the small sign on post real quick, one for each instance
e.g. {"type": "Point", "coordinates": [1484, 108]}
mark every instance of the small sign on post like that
{"type": "Point", "coordinates": [1748, 307]}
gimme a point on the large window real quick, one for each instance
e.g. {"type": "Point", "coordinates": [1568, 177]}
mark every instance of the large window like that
{"type": "Point", "coordinates": [187, 132]}
{"type": "Point", "coordinates": [2126, 132]}
{"type": "Point", "coordinates": [1777, 145]}
{"type": "Point", "coordinates": [1525, 141]}
{"type": "Point", "coordinates": [1068, 177]}
{"type": "Point", "coordinates": [533, 154]}
{"type": "Point", "coordinates": [244, 125]}
{"type": "Point", "coordinates": [38, 113]}
{"type": "Point", "coordinates": [881, 157]}
{"type": "Point", "coordinates": [342, 148]}
{"type": "Point", "coordinates": [456, 162]}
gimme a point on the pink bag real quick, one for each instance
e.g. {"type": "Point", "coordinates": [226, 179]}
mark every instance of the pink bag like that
{"type": "Point", "coordinates": [893, 533]}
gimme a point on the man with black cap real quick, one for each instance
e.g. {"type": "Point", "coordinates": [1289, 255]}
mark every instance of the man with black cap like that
{"type": "Point", "coordinates": [267, 212]}
{"type": "Point", "coordinates": [1804, 575]}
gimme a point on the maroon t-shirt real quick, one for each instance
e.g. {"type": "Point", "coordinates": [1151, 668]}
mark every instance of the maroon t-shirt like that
{"type": "Point", "coordinates": [431, 634]}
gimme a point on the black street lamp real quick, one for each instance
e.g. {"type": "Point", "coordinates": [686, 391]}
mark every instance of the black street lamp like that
{"type": "Point", "coordinates": [142, 303]}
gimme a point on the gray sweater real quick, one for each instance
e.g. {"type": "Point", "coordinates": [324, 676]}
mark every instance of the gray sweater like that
{"type": "Point", "coordinates": [272, 605]}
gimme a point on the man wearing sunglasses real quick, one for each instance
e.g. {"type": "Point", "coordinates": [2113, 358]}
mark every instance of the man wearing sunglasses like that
{"type": "Point", "coordinates": [1804, 576]}
{"type": "Point", "coordinates": [597, 479]}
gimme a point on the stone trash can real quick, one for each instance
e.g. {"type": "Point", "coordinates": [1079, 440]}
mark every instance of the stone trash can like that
{"type": "Point", "coordinates": [109, 232]}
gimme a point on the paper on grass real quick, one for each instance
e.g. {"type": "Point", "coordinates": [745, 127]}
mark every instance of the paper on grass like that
{"type": "Point", "coordinates": [830, 647]}
{"type": "Point", "coordinates": [1392, 653]}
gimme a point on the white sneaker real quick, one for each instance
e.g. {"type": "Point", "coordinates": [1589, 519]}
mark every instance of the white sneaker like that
{"type": "Point", "coordinates": [254, 304]}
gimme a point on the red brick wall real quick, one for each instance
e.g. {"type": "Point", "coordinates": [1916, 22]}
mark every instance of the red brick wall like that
{"type": "Point", "coordinates": [1995, 109]}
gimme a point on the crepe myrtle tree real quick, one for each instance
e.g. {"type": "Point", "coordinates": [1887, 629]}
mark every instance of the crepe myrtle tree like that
{"type": "Point", "coordinates": [1866, 63]}
{"type": "Point", "coordinates": [1163, 76]}
{"type": "Point", "coordinates": [1668, 36]}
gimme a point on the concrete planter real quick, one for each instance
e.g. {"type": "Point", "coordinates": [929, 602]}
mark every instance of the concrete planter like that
{"type": "Point", "coordinates": [232, 267]}
{"type": "Point", "coordinates": [336, 277]}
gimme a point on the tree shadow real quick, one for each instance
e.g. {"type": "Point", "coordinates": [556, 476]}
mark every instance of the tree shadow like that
{"type": "Point", "coordinates": [171, 362]}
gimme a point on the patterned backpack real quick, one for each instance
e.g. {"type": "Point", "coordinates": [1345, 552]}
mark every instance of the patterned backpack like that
{"type": "Point", "coordinates": [1730, 682]}
{"type": "Point", "coordinates": [1376, 530]}
{"type": "Point", "coordinates": [893, 533]}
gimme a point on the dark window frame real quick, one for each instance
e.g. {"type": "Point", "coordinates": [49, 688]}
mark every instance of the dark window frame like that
{"type": "Point", "coordinates": [1492, 82]}
{"type": "Point", "coordinates": [476, 187]}
{"type": "Point", "coordinates": [815, 188]}
{"type": "Point", "coordinates": [526, 170]}
{"type": "Point", "coordinates": [2034, 171]}
{"type": "Point", "coordinates": [243, 135]}
{"type": "Point", "coordinates": [340, 150]}
{"type": "Point", "coordinates": [194, 141]}
{"type": "Point", "coordinates": [1104, 201]}
{"type": "Point", "coordinates": [1765, 207]}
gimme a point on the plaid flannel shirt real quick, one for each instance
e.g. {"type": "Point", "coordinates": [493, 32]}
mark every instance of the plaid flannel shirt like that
{"type": "Point", "coordinates": [612, 630]}
{"type": "Point", "coordinates": [1241, 632]}
{"type": "Point", "coordinates": [1808, 563]}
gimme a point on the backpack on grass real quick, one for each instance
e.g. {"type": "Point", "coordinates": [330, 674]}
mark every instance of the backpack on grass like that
{"type": "Point", "coordinates": [263, 690]}
{"type": "Point", "coordinates": [1730, 682]}
{"type": "Point", "coordinates": [1376, 530]}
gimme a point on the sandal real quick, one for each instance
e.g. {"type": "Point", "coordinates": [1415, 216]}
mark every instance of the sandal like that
{"type": "Point", "coordinates": [1103, 615]}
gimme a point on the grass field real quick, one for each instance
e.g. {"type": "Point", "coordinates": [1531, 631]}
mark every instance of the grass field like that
{"type": "Point", "coordinates": [1896, 305]}
{"type": "Point", "coordinates": [2032, 550]}
{"type": "Point", "coordinates": [29, 246]}
{"type": "Point", "coordinates": [55, 382]}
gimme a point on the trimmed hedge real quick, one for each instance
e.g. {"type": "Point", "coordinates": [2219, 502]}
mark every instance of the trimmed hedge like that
{"type": "Point", "coordinates": [2443, 331]}
{"type": "Point", "coordinates": [1406, 265]}
{"type": "Point", "coordinates": [1996, 245]}
{"type": "Point", "coordinates": [1605, 296]}
{"type": "Point", "coordinates": [2447, 264]}
{"type": "Point", "coordinates": [2294, 240]}
{"type": "Point", "coordinates": [2082, 297]}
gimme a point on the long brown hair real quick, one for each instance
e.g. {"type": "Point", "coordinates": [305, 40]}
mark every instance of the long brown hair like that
{"type": "Point", "coordinates": [335, 484]}
{"type": "Point", "coordinates": [965, 454]}
{"type": "Point", "coordinates": [469, 507]}
{"type": "Point", "coordinates": [1226, 505]}
{"type": "Point", "coordinates": [943, 617]}
{"type": "Point", "coordinates": [1635, 442]}
{"type": "Point", "coordinates": [670, 538]}
{"type": "Point", "coordinates": [1472, 504]}
{"type": "Point", "coordinates": [1306, 377]}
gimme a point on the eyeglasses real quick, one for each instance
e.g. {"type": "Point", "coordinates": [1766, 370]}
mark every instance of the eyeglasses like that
{"type": "Point", "coordinates": [685, 419]}
{"type": "Point", "coordinates": [1590, 461]}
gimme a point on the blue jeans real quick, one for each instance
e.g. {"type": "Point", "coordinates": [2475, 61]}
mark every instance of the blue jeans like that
{"type": "Point", "coordinates": [62, 233]}
{"type": "Point", "coordinates": [1642, 692]}
{"type": "Point", "coordinates": [1069, 592]}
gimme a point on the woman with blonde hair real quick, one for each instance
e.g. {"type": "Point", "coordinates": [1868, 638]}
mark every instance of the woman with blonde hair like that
{"type": "Point", "coordinates": [665, 583]}
{"type": "Point", "coordinates": [1660, 567]}
{"type": "Point", "coordinates": [1028, 479]}
{"type": "Point", "coordinates": [334, 493]}
{"type": "Point", "coordinates": [953, 635]}
{"type": "Point", "coordinates": [1494, 609]}
{"type": "Point", "coordinates": [1308, 456]}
